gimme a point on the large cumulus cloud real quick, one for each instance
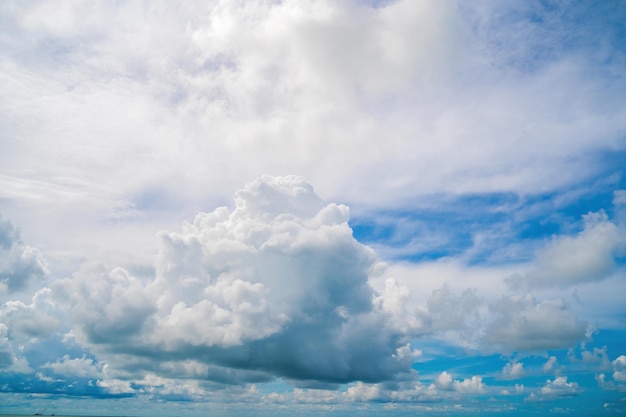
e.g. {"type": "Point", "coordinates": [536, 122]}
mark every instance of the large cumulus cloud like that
{"type": "Point", "coordinates": [276, 287]}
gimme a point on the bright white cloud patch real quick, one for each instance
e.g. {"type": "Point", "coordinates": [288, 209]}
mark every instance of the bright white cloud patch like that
{"type": "Point", "coordinates": [559, 387]}
{"type": "Point", "coordinates": [513, 370]}
{"type": "Point", "coordinates": [444, 380]}
{"type": "Point", "coordinates": [473, 385]}
{"type": "Point", "coordinates": [619, 368]}
{"type": "Point", "coordinates": [75, 367]}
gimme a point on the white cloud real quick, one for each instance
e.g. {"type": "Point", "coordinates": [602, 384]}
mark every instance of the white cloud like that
{"type": "Point", "coordinates": [513, 370]}
{"type": "Point", "coordinates": [278, 286]}
{"type": "Point", "coordinates": [361, 392]}
{"type": "Point", "coordinates": [444, 380]}
{"type": "Point", "coordinates": [559, 387]}
{"type": "Point", "coordinates": [586, 257]}
{"type": "Point", "coordinates": [549, 365]}
{"type": "Point", "coordinates": [473, 385]}
{"type": "Point", "coordinates": [616, 380]}
{"type": "Point", "coordinates": [619, 197]}
{"type": "Point", "coordinates": [619, 369]}
{"type": "Point", "coordinates": [449, 311]}
{"type": "Point", "coordinates": [116, 386]}
{"type": "Point", "coordinates": [75, 367]}
{"type": "Point", "coordinates": [20, 264]}
{"type": "Point", "coordinates": [597, 358]}
{"type": "Point", "coordinates": [521, 322]}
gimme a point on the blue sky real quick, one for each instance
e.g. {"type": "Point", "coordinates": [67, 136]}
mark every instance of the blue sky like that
{"type": "Point", "coordinates": [313, 207]}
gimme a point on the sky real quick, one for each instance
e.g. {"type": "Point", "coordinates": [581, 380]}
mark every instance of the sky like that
{"type": "Point", "coordinates": [313, 207]}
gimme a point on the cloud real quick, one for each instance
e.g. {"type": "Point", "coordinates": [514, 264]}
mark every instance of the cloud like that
{"type": "Point", "coordinates": [619, 368]}
{"type": "Point", "coordinates": [444, 380]}
{"type": "Point", "coordinates": [473, 385]}
{"type": "Point", "coordinates": [22, 328]}
{"type": "Point", "coordinates": [277, 287]}
{"type": "Point", "coordinates": [361, 392]}
{"type": "Point", "coordinates": [617, 379]}
{"type": "Point", "coordinates": [619, 197]}
{"type": "Point", "coordinates": [559, 388]}
{"type": "Point", "coordinates": [521, 323]}
{"type": "Point", "coordinates": [20, 264]}
{"type": "Point", "coordinates": [514, 370]}
{"type": "Point", "coordinates": [588, 256]}
{"type": "Point", "coordinates": [119, 117]}
{"type": "Point", "coordinates": [75, 367]}
{"type": "Point", "coordinates": [549, 365]}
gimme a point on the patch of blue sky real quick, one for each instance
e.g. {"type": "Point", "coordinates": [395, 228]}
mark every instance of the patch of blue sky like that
{"type": "Point", "coordinates": [450, 225]}
{"type": "Point", "coordinates": [443, 229]}
{"type": "Point", "coordinates": [557, 28]}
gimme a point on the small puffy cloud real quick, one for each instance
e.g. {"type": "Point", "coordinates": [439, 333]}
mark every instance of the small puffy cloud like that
{"type": "Point", "coordinates": [596, 358]}
{"type": "Point", "coordinates": [619, 198]}
{"type": "Point", "coordinates": [619, 369]}
{"type": "Point", "coordinates": [277, 287]}
{"type": "Point", "coordinates": [444, 381]}
{"type": "Point", "coordinates": [586, 257]}
{"type": "Point", "coordinates": [513, 370]}
{"type": "Point", "coordinates": [549, 365]}
{"type": "Point", "coordinates": [473, 385]}
{"type": "Point", "coordinates": [413, 391]}
{"type": "Point", "coordinates": [75, 367]}
{"type": "Point", "coordinates": [616, 378]}
{"type": "Point", "coordinates": [520, 322]}
{"type": "Point", "coordinates": [559, 388]}
{"type": "Point", "coordinates": [116, 386]}
{"type": "Point", "coordinates": [361, 392]}
{"type": "Point", "coordinates": [20, 264]}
